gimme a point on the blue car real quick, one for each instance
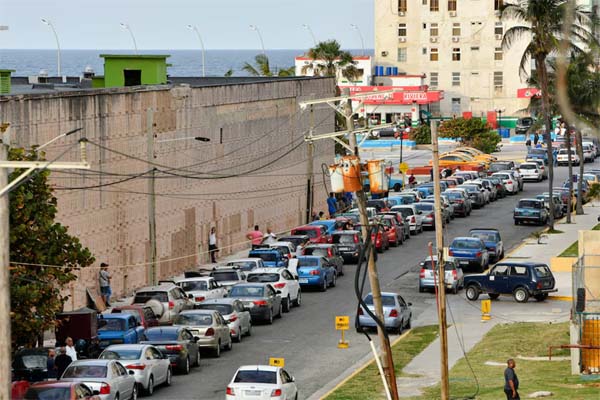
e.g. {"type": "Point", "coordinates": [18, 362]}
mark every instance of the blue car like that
{"type": "Point", "coordinates": [469, 252]}
{"type": "Point", "coordinates": [329, 224]}
{"type": "Point", "coordinates": [316, 272]}
{"type": "Point", "coordinates": [119, 329]}
{"type": "Point", "coordinates": [492, 239]}
{"type": "Point", "coordinates": [272, 257]}
{"type": "Point", "coordinates": [530, 210]}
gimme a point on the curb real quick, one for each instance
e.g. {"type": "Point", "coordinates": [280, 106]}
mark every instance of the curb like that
{"type": "Point", "coordinates": [560, 298]}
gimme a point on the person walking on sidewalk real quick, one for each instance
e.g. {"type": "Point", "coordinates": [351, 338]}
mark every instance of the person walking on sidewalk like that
{"type": "Point", "coordinates": [255, 237]}
{"type": "Point", "coordinates": [511, 382]}
{"type": "Point", "coordinates": [528, 145]}
{"type": "Point", "coordinates": [212, 245]}
{"type": "Point", "coordinates": [104, 281]}
{"type": "Point", "coordinates": [331, 205]}
{"type": "Point", "coordinates": [536, 139]}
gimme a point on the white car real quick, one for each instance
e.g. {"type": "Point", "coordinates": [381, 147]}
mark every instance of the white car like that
{"type": "Point", "coordinates": [149, 365]}
{"type": "Point", "coordinates": [281, 279]}
{"type": "Point", "coordinates": [589, 154]}
{"type": "Point", "coordinates": [511, 185]}
{"type": "Point", "coordinates": [288, 248]}
{"type": "Point", "coordinates": [531, 171]}
{"type": "Point", "coordinates": [592, 146]}
{"type": "Point", "coordinates": [261, 382]}
{"type": "Point", "coordinates": [246, 264]}
{"type": "Point", "coordinates": [234, 313]}
{"type": "Point", "coordinates": [371, 211]}
{"type": "Point", "coordinates": [412, 216]}
{"type": "Point", "coordinates": [542, 167]}
{"type": "Point", "coordinates": [484, 191]}
{"type": "Point", "coordinates": [202, 288]}
{"type": "Point", "coordinates": [108, 377]}
{"type": "Point", "coordinates": [562, 158]}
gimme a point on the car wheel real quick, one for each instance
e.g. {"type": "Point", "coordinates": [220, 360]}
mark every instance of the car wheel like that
{"type": "Point", "coordinates": [230, 345]}
{"type": "Point", "coordinates": [249, 333]}
{"type": "Point", "coordinates": [217, 350]}
{"type": "Point", "coordinates": [323, 287]}
{"type": "Point", "coordinates": [238, 338]}
{"type": "Point", "coordinates": [280, 312]}
{"type": "Point", "coordinates": [150, 388]}
{"type": "Point", "coordinates": [472, 292]}
{"type": "Point", "coordinates": [197, 359]}
{"type": "Point", "coordinates": [516, 222]}
{"type": "Point", "coordinates": [298, 300]}
{"type": "Point", "coordinates": [134, 393]}
{"type": "Point", "coordinates": [455, 289]}
{"type": "Point", "coordinates": [493, 296]}
{"type": "Point", "coordinates": [333, 280]}
{"type": "Point", "coordinates": [117, 396]}
{"type": "Point", "coordinates": [270, 317]}
{"type": "Point", "coordinates": [286, 304]}
{"type": "Point", "coordinates": [408, 324]}
{"type": "Point", "coordinates": [397, 187]}
{"type": "Point", "coordinates": [399, 328]}
{"type": "Point", "coordinates": [521, 295]}
{"type": "Point", "coordinates": [169, 378]}
{"type": "Point", "coordinates": [186, 368]}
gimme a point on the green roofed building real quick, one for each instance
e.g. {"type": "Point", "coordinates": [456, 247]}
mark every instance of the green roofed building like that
{"type": "Point", "coordinates": [132, 70]}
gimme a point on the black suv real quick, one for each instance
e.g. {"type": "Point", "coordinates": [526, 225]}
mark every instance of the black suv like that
{"type": "Point", "coordinates": [349, 244]}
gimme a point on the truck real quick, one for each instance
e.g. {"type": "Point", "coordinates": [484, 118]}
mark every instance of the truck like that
{"type": "Point", "coordinates": [119, 329]}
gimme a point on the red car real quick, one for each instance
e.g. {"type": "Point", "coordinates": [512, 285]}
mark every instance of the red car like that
{"type": "Point", "coordinates": [60, 390]}
{"type": "Point", "coordinates": [394, 232]}
{"type": "Point", "coordinates": [381, 241]}
{"type": "Point", "coordinates": [315, 233]}
{"type": "Point", "coordinates": [143, 314]}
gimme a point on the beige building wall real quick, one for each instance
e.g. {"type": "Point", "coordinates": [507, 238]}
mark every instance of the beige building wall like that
{"type": "Point", "coordinates": [255, 130]}
{"type": "Point", "coordinates": [472, 29]}
{"type": "Point", "coordinates": [589, 247]}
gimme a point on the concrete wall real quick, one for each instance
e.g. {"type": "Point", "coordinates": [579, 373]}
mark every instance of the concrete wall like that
{"type": "Point", "coordinates": [589, 247]}
{"type": "Point", "coordinates": [261, 119]}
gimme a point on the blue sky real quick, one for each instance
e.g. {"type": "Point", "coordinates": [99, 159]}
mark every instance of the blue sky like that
{"type": "Point", "coordinates": [161, 24]}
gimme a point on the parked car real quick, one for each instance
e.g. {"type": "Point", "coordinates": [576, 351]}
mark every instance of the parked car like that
{"type": "Point", "coordinates": [119, 329]}
{"type": "Point", "coordinates": [447, 208]}
{"type": "Point", "coordinates": [398, 199]}
{"type": "Point", "coordinates": [282, 280]}
{"type": "Point", "coordinates": [553, 204]}
{"type": "Point", "coordinates": [478, 199]}
{"type": "Point", "coordinates": [469, 252]}
{"type": "Point", "coordinates": [233, 311]}
{"type": "Point", "coordinates": [531, 171]}
{"type": "Point", "coordinates": [394, 233]}
{"type": "Point", "coordinates": [537, 154]}
{"type": "Point", "coordinates": [288, 248]}
{"type": "Point", "coordinates": [316, 271]}
{"type": "Point", "coordinates": [379, 205]}
{"type": "Point", "coordinates": [107, 377]}
{"type": "Point", "coordinates": [412, 216]}
{"type": "Point", "coordinates": [252, 382]}
{"type": "Point", "coordinates": [400, 221]}
{"type": "Point", "coordinates": [396, 311]}
{"type": "Point", "coordinates": [143, 314]}
{"type": "Point", "coordinates": [521, 280]}
{"type": "Point", "coordinates": [272, 257]}
{"type": "Point", "coordinates": [516, 175]}
{"type": "Point", "coordinates": [30, 364]}
{"type": "Point", "coordinates": [209, 328]}
{"type": "Point", "coordinates": [490, 187]}
{"type": "Point", "coordinates": [59, 390]}
{"type": "Point", "coordinates": [589, 154]}
{"type": "Point", "coordinates": [492, 240]}
{"type": "Point", "coordinates": [329, 252]}
{"type": "Point", "coordinates": [261, 299]}
{"type": "Point", "coordinates": [530, 210]}
{"type": "Point", "coordinates": [524, 125]}
{"type": "Point", "coordinates": [378, 236]}
{"type": "Point", "coordinates": [511, 185]}
{"type": "Point", "coordinates": [349, 244]}
{"type": "Point", "coordinates": [562, 158]}
{"type": "Point", "coordinates": [563, 194]}
{"type": "Point", "coordinates": [460, 201]}
{"type": "Point", "coordinates": [228, 277]}
{"type": "Point", "coordinates": [202, 288]}
{"type": "Point", "coordinates": [500, 188]}
{"type": "Point", "coordinates": [542, 168]}
{"type": "Point", "coordinates": [453, 273]}
{"type": "Point", "coordinates": [177, 343]}
{"type": "Point", "coordinates": [166, 301]}
{"type": "Point", "coordinates": [294, 239]}
{"type": "Point", "coordinates": [498, 166]}
{"type": "Point", "coordinates": [329, 224]}
{"type": "Point", "coordinates": [150, 367]}
{"type": "Point", "coordinates": [428, 214]}
{"type": "Point", "coordinates": [315, 233]}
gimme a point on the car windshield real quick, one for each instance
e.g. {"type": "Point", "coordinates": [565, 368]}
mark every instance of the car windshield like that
{"type": "Point", "coordinates": [565, 151]}
{"type": "Point", "coordinates": [48, 393]}
{"type": "Point", "coordinates": [470, 188]}
{"type": "Point", "coordinates": [112, 325]}
{"type": "Point", "coordinates": [263, 277]}
{"type": "Point", "coordinates": [85, 371]}
{"type": "Point", "coordinates": [406, 212]}
{"type": "Point", "coordinates": [160, 334]}
{"type": "Point", "coordinates": [542, 271]}
{"type": "Point", "coordinates": [193, 319]}
{"type": "Point", "coordinates": [221, 276]}
{"type": "Point", "coordinates": [34, 361]}
{"type": "Point", "coordinates": [343, 238]}
{"type": "Point", "coordinates": [114, 354]}
{"type": "Point", "coordinates": [466, 244]}
{"type": "Point", "coordinates": [424, 206]}
{"type": "Point", "coordinates": [528, 166]}
{"type": "Point", "coordinates": [448, 266]}
{"type": "Point", "coordinates": [268, 257]}
{"type": "Point", "coordinates": [143, 297]}
{"type": "Point", "coordinates": [193, 285]}
{"type": "Point", "coordinates": [256, 376]}
{"type": "Point", "coordinates": [308, 262]}
{"type": "Point", "coordinates": [529, 204]}
{"type": "Point", "coordinates": [503, 176]}
{"type": "Point", "coordinates": [316, 251]}
{"type": "Point", "coordinates": [224, 309]}
{"type": "Point", "coordinates": [247, 291]}
{"type": "Point", "coordinates": [311, 233]}
{"type": "Point", "coordinates": [453, 195]}
{"type": "Point", "coordinates": [385, 300]}
{"type": "Point", "coordinates": [485, 236]}
{"type": "Point", "coordinates": [244, 265]}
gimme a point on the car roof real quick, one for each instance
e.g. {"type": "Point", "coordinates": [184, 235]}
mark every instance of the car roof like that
{"type": "Point", "coordinates": [346, 232]}
{"type": "Point", "coordinates": [196, 279]}
{"type": "Point", "coordinates": [258, 368]}
{"type": "Point", "coordinates": [197, 311]}
{"type": "Point", "coordinates": [266, 271]}
{"type": "Point", "coordinates": [465, 238]}
{"type": "Point", "coordinates": [294, 236]}
{"type": "Point", "coordinates": [317, 257]}
{"type": "Point", "coordinates": [136, 346]}
{"type": "Point", "coordinates": [246, 259]}
{"type": "Point", "coordinates": [252, 284]}
{"type": "Point", "coordinates": [116, 316]}
{"type": "Point", "coordinates": [306, 227]}
{"type": "Point", "coordinates": [529, 199]}
{"type": "Point", "coordinates": [224, 300]}
{"type": "Point", "coordinates": [484, 229]}
{"type": "Point", "coordinates": [522, 264]}
{"type": "Point", "coordinates": [320, 245]}
{"type": "Point", "coordinates": [280, 243]}
{"type": "Point", "coordinates": [90, 361]}
{"type": "Point", "coordinates": [161, 287]}
{"type": "Point", "coordinates": [166, 328]}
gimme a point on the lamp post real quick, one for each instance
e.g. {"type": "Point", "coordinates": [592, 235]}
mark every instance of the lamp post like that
{"type": "Point", "coordinates": [362, 40]}
{"type": "Point", "coordinates": [195, 29]}
{"type": "Point", "coordinates": [127, 28]}
{"type": "Point", "coordinates": [499, 111]}
{"type": "Point", "coordinates": [49, 23]}
{"type": "Point", "coordinates": [307, 27]}
{"type": "Point", "coordinates": [262, 43]}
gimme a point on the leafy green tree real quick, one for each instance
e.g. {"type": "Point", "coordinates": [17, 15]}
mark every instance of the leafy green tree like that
{"type": "Point", "coordinates": [35, 238]}
{"type": "Point", "coordinates": [421, 134]}
{"type": "Point", "coordinates": [330, 60]}
{"type": "Point", "coordinates": [263, 68]}
{"type": "Point", "coordinates": [472, 132]}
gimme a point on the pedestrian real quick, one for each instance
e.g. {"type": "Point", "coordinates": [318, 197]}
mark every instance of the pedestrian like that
{"type": "Point", "coordinates": [528, 145]}
{"type": "Point", "coordinates": [300, 248]}
{"type": "Point", "coordinates": [431, 174]}
{"type": "Point", "coordinates": [61, 362]}
{"type": "Point", "coordinates": [322, 216]}
{"type": "Point", "coordinates": [71, 352]}
{"type": "Point", "coordinates": [511, 382]}
{"type": "Point", "coordinates": [104, 281]}
{"type": "Point", "coordinates": [269, 237]}
{"type": "Point", "coordinates": [349, 198]}
{"type": "Point", "coordinates": [212, 245]}
{"type": "Point", "coordinates": [331, 205]}
{"type": "Point", "coordinates": [555, 156]}
{"type": "Point", "coordinates": [51, 364]}
{"type": "Point", "coordinates": [255, 237]}
{"type": "Point", "coordinates": [536, 139]}
{"type": "Point", "coordinates": [412, 180]}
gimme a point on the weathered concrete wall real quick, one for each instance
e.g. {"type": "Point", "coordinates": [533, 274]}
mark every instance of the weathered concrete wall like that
{"type": "Point", "coordinates": [255, 130]}
{"type": "Point", "coordinates": [589, 248]}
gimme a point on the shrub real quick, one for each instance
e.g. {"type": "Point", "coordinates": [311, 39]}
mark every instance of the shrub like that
{"type": "Point", "coordinates": [421, 134]}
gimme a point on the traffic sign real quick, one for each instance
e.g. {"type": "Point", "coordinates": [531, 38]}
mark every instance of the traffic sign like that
{"type": "Point", "coordinates": [342, 322]}
{"type": "Point", "coordinates": [277, 362]}
{"type": "Point", "coordinates": [403, 167]}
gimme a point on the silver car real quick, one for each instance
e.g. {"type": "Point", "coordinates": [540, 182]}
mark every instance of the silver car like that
{"type": "Point", "coordinates": [208, 327]}
{"type": "Point", "coordinates": [234, 313]}
{"type": "Point", "coordinates": [412, 216]}
{"type": "Point", "coordinates": [453, 273]}
{"type": "Point", "coordinates": [149, 365]}
{"type": "Point", "coordinates": [396, 311]}
{"type": "Point", "coordinates": [107, 377]}
{"type": "Point", "coordinates": [166, 300]}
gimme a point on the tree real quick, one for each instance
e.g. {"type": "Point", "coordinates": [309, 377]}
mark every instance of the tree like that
{"type": "Point", "coordinates": [541, 22]}
{"type": "Point", "coordinates": [330, 60]}
{"type": "Point", "coordinates": [421, 134]}
{"type": "Point", "coordinates": [263, 68]}
{"type": "Point", "coordinates": [35, 238]}
{"type": "Point", "coordinates": [472, 132]}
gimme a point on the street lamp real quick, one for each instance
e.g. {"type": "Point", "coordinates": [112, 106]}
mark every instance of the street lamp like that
{"type": "Point", "coordinates": [127, 28]}
{"type": "Point", "coordinates": [49, 23]}
{"type": "Point", "coordinates": [195, 29]}
{"type": "Point", "coordinates": [262, 44]}
{"type": "Point", "coordinates": [307, 27]}
{"type": "Point", "coordinates": [362, 40]}
{"type": "Point", "coordinates": [499, 111]}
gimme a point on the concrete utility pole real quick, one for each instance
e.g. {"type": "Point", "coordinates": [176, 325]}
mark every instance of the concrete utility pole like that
{"type": "Point", "coordinates": [152, 272]}
{"type": "Point", "coordinates": [439, 238]}
{"type": "Point", "coordinates": [570, 163]}
{"type": "Point", "coordinates": [309, 169]}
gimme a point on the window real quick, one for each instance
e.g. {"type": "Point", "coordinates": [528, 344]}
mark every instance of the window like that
{"type": "Point", "coordinates": [456, 29]}
{"type": "Point", "coordinates": [424, 2]}
{"type": "Point", "coordinates": [498, 4]}
{"type": "Point", "coordinates": [456, 105]}
{"type": "Point", "coordinates": [498, 54]}
{"type": "Point", "coordinates": [474, 74]}
{"type": "Point", "coordinates": [433, 79]}
{"type": "Point", "coordinates": [518, 271]}
{"type": "Point", "coordinates": [424, 50]}
{"type": "Point", "coordinates": [475, 48]}
{"type": "Point", "coordinates": [132, 77]}
{"type": "Point", "coordinates": [433, 30]}
{"type": "Point", "coordinates": [456, 79]}
{"type": "Point", "coordinates": [433, 54]}
{"type": "Point", "coordinates": [401, 30]}
{"type": "Point", "coordinates": [451, 5]}
{"type": "Point", "coordinates": [500, 270]}
{"type": "Point", "coordinates": [402, 54]}
{"type": "Point", "coordinates": [498, 79]}
{"type": "Point", "coordinates": [434, 5]}
{"type": "Point", "coordinates": [456, 54]}
{"type": "Point", "coordinates": [498, 29]}
{"type": "Point", "coordinates": [402, 6]}
{"type": "Point", "coordinates": [434, 108]}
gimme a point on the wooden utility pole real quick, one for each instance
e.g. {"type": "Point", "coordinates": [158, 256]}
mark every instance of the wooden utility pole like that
{"type": "Point", "coordinates": [439, 238]}
{"type": "Point", "coordinates": [309, 169]}
{"type": "Point", "coordinates": [5, 337]}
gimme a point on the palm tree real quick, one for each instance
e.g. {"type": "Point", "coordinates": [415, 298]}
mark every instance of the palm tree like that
{"type": "Point", "coordinates": [541, 22]}
{"type": "Point", "coordinates": [328, 59]}
{"type": "Point", "coordinates": [263, 68]}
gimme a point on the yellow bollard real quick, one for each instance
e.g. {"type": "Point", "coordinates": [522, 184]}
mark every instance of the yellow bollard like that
{"type": "Point", "coordinates": [486, 309]}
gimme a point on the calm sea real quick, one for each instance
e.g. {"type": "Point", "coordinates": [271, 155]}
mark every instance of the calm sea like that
{"type": "Point", "coordinates": [185, 62]}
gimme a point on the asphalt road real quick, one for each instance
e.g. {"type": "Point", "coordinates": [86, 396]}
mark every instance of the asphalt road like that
{"type": "Point", "coordinates": [306, 338]}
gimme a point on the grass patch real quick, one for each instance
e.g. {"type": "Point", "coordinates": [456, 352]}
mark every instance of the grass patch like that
{"type": "Point", "coordinates": [367, 384]}
{"type": "Point", "coordinates": [573, 249]}
{"type": "Point", "coordinates": [554, 231]}
{"type": "Point", "coordinates": [509, 341]}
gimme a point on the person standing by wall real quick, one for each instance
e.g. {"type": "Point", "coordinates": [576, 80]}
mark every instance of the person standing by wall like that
{"type": "Point", "coordinates": [255, 236]}
{"type": "Point", "coordinates": [269, 237]}
{"type": "Point", "coordinates": [511, 382]}
{"type": "Point", "coordinates": [212, 245]}
{"type": "Point", "coordinates": [104, 281]}
{"type": "Point", "coordinates": [70, 348]}
{"type": "Point", "coordinates": [51, 364]}
{"type": "Point", "coordinates": [331, 205]}
{"type": "Point", "coordinates": [62, 362]}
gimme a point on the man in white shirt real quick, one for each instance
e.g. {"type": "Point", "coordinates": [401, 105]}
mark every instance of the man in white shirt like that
{"type": "Point", "coordinates": [269, 237]}
{"type": "Point", "coordinates": [212, 245]}
{"type": "Point", "coordinates": [71, 352]}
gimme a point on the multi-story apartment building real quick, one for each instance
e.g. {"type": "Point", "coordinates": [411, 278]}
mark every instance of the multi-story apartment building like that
{"type": "Point", "coordinates": [457, 44]}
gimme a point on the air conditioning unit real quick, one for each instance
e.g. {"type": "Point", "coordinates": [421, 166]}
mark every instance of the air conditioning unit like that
{"type": "Point", "coordinates": [402, 40]}
{"type": "Point", "coordinates": [384, 53]}
{"type": "Point", "coordinates": [455, 39]}
{"type": "Point", "coordinates": [401, 13]}
{"type": "Point", "coordinates": [433, 39]}
{"type": "Point", "coordinates": [498, 37]}
{"type": "Point", "coordinates": [452, 13]}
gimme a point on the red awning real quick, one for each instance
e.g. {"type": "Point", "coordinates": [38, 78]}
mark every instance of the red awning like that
{"type": "Point", "coordinates": [528, 93]}
{"type": "Point", "coordinates": [401, 97]}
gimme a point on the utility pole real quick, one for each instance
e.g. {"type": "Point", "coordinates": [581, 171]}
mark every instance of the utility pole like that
{"type": "Point", "coordinates": [152, 272]}
{"type": "Point", "coordinates": [309, 169]}
{"type": "Point", "coordinates": [439, 238]}
{"type": "Point", "coordinates": [570, 162]}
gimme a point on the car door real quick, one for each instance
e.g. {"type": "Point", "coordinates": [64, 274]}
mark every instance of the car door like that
{"type": "Point", "coordinates": [243, 316]}
{"type": "Point", "coordinates": [498, 280]}
{"type": "Point", "coordinates": [121, 377]}
{"type": "Point", "coordinates": [291, 283]}
{"type": "Point", "coordinates": [273, 297]}
{"type": "Point", "coordinates": [159, 365]}
{"type": "Point", "coordinates": [221, 328]}
{"type": "Point", "coordinates": [287, 384]}
{"type": "Point", "coordinates": [187, 337]}
{"type": "Point", "coordinates": [404, 311]}
{"type": "Point", "coordinates": [518, 276]}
